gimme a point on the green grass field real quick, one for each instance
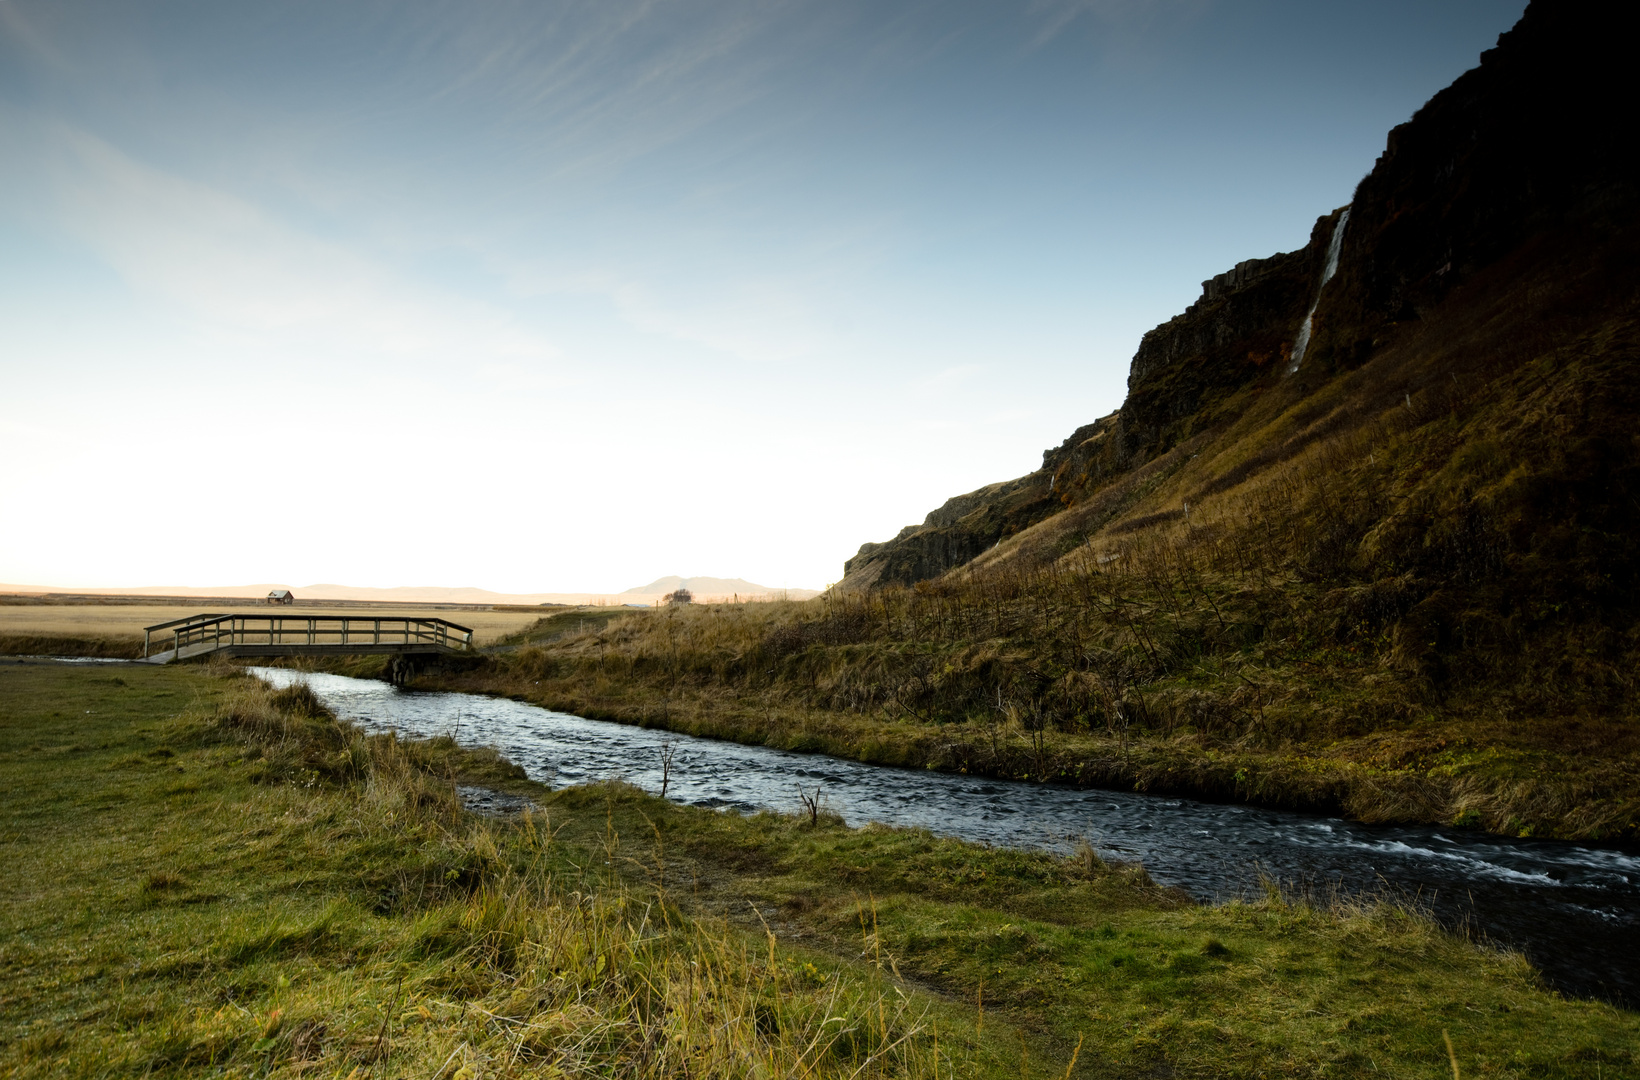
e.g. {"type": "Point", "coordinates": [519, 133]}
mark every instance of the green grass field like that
{"type": "Point", "coordinates": [205, 878]}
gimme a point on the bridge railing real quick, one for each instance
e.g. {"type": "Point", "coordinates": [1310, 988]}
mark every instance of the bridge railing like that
{"type": "Point", "coordinates": [337, 631]}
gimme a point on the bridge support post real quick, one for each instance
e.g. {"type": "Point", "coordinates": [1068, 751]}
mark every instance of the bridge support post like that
{"type": "Point", "coordinates": [401, 669]}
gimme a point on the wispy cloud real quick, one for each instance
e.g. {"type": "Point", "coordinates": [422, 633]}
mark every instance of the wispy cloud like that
{"type": "Point", "coordinates": [1123, 17]}
{"type": "Point", "coordinates": [233, 265]}
{"type": "Point", "coordinates": [584, 88]}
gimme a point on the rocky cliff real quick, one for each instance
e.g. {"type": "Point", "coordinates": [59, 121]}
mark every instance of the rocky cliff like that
{"type": "Point", "coordinates": [1536, 139]}
{"type": "Point", "coordinates": [1186, 370]}
{"type": "Point", "coordinates": [1526, 149]}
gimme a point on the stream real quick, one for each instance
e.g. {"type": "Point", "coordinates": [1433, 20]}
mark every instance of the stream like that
{"type": "Point", "coordinates": [1574, 911]}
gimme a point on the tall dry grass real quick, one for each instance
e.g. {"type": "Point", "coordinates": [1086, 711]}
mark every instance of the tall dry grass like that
{"type": "Point", "coordinates": [1348, 627]}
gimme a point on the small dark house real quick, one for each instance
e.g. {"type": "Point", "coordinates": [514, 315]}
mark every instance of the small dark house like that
{"type": "Point", "coordinates": [281, 596]}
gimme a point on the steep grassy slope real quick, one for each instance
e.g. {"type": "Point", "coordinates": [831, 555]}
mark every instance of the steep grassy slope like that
{"type": "Point", "coordinates": [1505, 183]}
{"type": "Point", "coordinates": [1397, 578]}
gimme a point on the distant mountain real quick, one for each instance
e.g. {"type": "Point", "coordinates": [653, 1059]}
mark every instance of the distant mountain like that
{"type": "Point", "coordinates": [716, 587]}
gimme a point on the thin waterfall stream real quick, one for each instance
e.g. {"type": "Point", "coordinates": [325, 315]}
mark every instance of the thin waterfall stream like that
{"type": "Point", "coordinates": [1574, 910]}
{"type": "Point", "coordinates": [1334, 246]}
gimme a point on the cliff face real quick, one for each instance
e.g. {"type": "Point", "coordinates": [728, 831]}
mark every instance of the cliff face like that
{"type": "Point", "coordinates": [959, 531]}
{"type": "Point", "coordinates": [1242, 328]}
{"type": "Point", "coordinates": [1186, 370]}
{"type": "Point", "coordinates": [1530, 144]}
{"type": "Point", "coordinates": [1537, 138]}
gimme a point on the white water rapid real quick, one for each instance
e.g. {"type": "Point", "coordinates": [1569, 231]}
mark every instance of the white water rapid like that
{"type": "Point", "coordinates": [1333, 246]}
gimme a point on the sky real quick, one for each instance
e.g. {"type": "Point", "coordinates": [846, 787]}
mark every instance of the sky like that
{"type": "Point", "coordinates": [563, 296]}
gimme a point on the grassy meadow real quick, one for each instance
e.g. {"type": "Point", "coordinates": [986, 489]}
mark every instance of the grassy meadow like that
{"type": "Point", "coordinates": [209, 878]}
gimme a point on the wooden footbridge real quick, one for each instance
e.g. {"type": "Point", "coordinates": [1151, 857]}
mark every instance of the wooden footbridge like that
{"type": "Point", "coordinates": [302, 635]}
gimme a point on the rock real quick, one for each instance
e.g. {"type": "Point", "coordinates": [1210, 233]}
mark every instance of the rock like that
{"type": "Point", "coordinates": [1534, 139]}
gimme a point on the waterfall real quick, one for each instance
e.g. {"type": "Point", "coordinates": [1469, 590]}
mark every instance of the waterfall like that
{"type": "Point", "coordinates": [1333, 247]}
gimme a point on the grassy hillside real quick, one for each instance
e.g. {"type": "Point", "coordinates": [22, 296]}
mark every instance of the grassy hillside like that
{"type": "Point", "coordinates": [1400, 578]}
{"type": "Point", "coordinates": [1153, 672]}
{"type": "Point", "coordinates": [1405, 590]}
{"type": "Point", "coordinates": [211, 879]}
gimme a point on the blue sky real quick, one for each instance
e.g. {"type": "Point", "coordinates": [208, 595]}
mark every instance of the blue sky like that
{"type": "Point", "coordinates": [580, 294]}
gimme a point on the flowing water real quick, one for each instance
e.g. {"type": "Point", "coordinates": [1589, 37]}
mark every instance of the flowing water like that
{"type": "Point", "coordinates": [1334, 245]}
{"type": "Point", "coordinates": [1574, 910]}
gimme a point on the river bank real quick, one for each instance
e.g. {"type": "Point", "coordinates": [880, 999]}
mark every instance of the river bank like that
{"type": "Point", "coordinates": [1438, 767]}
{"type": "Point", "coordinates": [1573, 911]}
{"type": "Point", "coordinates": [1282, 724]}
{"type": "Point", "coordinates": [277, 862]}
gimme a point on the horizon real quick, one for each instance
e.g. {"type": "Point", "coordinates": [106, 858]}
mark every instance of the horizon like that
{"type": "Point", "coordinates": [565, 290]}
{"type": "Point", "coordinates": [654, 588]}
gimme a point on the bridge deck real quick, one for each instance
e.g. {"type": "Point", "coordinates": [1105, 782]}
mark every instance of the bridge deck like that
{"type": "Point", "coordinates": [270, 634]}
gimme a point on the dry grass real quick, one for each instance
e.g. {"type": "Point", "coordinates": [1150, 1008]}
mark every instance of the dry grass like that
{"type": "Point", "coordinates": [1149, 673]}
{"type": "Point", "coordinates": [1404, 591]}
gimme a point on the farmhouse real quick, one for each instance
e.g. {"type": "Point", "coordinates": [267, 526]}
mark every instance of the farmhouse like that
{"type": "Point", "coordinates": [281, 596]}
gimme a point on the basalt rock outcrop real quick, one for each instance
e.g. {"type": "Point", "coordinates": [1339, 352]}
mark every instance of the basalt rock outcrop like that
{"type": "Point", "coordinates": [1185, 371]}
{"type": "Point", "coordinates": [1538, 138]}
{"type": "Point", "coordinates": [1523, 159]}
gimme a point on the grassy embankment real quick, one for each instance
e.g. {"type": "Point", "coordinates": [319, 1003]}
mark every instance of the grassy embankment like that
{"type": "Point", "coordinates": [207, 877]}
{"type": "Point", "coordinates": [1405, 591]}
{"type": "Point", "coordinates": [1155, 679]}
